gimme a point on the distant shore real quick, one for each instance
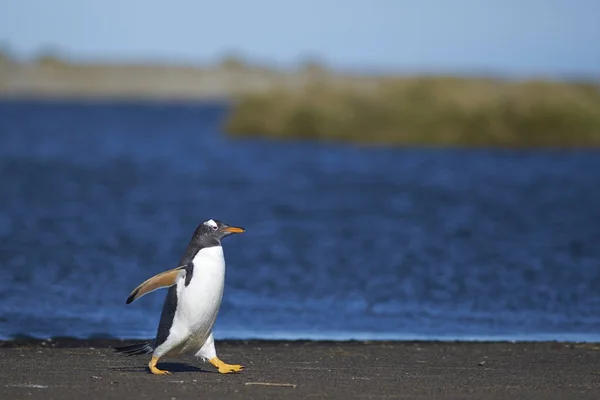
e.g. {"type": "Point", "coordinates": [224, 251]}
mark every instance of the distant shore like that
{"type": "Point", "coordinates": [69, 368]}
{"type": "Point", "coordinates": [314, 103]}
{"type": "Point", "coordinates": [51, 77]}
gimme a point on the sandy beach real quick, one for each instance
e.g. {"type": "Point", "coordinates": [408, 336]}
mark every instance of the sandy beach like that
{"type": "Point", "coordinates": [75, 369]}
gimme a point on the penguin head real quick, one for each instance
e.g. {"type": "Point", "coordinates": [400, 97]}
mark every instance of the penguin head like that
{"type": "Point", "coordinates": [215, 229]}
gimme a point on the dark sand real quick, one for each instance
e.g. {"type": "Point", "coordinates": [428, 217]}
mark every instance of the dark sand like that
{"type": "Point", "coordinates": [72, 369]}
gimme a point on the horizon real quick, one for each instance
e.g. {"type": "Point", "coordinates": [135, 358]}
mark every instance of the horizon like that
{"type": "Point", "coordinates": [531, 38]}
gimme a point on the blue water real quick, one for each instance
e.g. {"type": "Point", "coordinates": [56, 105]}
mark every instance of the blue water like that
{"type": "Point", "coordinates": [342, 242]}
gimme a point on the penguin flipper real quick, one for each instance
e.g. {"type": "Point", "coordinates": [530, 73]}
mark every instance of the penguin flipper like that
{"type": "Point", "coordinates": [164, 279]}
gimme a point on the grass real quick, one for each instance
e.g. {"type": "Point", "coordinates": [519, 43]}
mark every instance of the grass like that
{"type": "Point", "coordinates": [438, 111]}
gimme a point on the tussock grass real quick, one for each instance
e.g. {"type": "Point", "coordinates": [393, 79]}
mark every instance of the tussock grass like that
{"type": "Point", "coordinates": [442, 111]}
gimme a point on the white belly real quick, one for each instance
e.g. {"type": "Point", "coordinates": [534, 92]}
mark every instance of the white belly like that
{"type": "Point", "coordinates": [198, 303]}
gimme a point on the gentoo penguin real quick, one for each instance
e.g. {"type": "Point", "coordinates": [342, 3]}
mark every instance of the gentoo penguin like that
{"type": "Point", "coordinates": [192, 302]}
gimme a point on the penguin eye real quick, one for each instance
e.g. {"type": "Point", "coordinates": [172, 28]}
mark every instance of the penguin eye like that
{"type": "Point", "coordinates": [214, 227]}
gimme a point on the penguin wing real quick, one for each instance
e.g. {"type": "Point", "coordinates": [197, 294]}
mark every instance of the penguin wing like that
{"type": "Point", "coordinates": [164, 279]}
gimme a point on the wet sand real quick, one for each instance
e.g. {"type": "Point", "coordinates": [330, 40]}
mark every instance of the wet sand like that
{"type": "Point", "coordinates": [73, 369]}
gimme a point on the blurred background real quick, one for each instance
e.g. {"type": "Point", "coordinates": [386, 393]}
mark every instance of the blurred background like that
{"type": "Point", "coordinates": [404, 170]}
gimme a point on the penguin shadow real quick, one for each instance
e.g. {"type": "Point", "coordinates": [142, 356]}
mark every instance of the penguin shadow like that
{"type": "Point", "coordinates": [180, 367]}
{"type": "Point", "coordinates": [172, 367]}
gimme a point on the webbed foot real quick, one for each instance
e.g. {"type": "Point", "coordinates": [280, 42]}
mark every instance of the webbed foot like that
{"type": "Point", "coordinates": [154, 370]}
{"type": "Point", "coordinates": [223, 367]}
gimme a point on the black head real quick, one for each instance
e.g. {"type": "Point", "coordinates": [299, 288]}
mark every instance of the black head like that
{"type": "Point", "coordinates": [208, 234]}
{"type": "Point", "coordinates": [214, 230]}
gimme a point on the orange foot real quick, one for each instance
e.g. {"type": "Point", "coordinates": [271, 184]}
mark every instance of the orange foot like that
{"type": "Point", "coordinates": [225, 368]}
{"type": "Point", "coordinates": [154, 370]}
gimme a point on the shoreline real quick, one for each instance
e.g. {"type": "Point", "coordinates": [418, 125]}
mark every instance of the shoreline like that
{"type": "Point", "coordinates": [230, 107]}
{"type": "Point", "coordinates": [62, 342]}
{"type": "Point", "coordinates": [62, 368]}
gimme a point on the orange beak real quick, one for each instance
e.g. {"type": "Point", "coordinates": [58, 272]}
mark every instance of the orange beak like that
{"type": "Point", "coordinates": [234, 229]}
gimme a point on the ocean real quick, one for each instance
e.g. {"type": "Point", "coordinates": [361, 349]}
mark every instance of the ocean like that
{"type": "Point", "coordinates": [342, 242]}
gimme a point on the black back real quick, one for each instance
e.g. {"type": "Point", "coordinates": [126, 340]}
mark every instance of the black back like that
{"type": "Point", "coordinates": [167, 316]}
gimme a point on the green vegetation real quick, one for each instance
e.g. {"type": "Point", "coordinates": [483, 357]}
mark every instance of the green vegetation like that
{"type": "Point", "coordinates": [425, 111]}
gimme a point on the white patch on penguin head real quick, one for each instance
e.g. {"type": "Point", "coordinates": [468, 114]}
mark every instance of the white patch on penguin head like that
{"type": "Point", "coordinates": [212, 224]}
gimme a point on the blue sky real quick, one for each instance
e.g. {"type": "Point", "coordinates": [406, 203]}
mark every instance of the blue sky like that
{"type": "Point", "coordinates": [525, 37]}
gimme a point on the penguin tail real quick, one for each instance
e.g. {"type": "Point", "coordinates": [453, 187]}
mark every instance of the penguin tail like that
{"type": "Point", "coordinates": [136, 349]}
